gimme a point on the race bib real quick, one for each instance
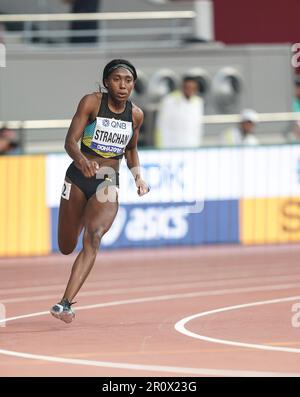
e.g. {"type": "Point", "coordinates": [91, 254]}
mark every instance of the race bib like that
{"type": "Point", "coordinates": [66, 190]}
{"type": "Point", "coordinates": [111, 135]}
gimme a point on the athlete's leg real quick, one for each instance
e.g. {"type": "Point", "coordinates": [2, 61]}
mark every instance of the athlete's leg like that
{"type": "Point", "coordinates": [70, 220]}
{"type": "Point", "coordinates": [98, 218]}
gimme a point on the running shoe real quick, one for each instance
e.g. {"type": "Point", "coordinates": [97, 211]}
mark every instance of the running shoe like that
{"type": "Point", "coordinates": [63, 311]}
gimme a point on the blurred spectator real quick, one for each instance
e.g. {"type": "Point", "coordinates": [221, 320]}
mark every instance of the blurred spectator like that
{"type": "Point", "coordinates": [294, 135]}
{"type": "Point", "coordinates": [296, 100]}
{"type": "Point", "coordinates": [83, 6]}
{"type": "Point", "coordinates": [9, 143]}
{"type": "Point", "coordinates": [180, 117]}
{"type": "Point", "coordinates": [2, 30]}
{"type": "Point", "coordinates": [244, 133]}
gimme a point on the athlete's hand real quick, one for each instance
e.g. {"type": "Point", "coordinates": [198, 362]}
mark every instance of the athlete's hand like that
{"type": "Point", "coordinates": [88, 167]}
{"type": "Point", "coordinates": [142, 186]}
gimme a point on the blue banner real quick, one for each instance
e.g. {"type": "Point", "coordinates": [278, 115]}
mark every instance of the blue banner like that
{"type": "Point", "coordinates": [162, 224]}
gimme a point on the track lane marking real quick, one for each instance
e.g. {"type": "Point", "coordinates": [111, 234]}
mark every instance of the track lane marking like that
{"type": "Point", "coordinates": [180, 326]}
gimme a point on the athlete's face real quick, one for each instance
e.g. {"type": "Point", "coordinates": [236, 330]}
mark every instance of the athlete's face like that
{"type": "Point", "coordinates": [120, 84]}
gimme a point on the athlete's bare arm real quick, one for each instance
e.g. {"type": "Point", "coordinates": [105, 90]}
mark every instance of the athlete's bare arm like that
{"type": "Point", "coordinates": [85, 109]}
{"type": "Point", "coordinates": [131, 153]}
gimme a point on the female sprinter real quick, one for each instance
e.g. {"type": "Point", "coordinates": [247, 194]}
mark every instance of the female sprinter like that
{"type": "Point", "coordinates": [108, 125]}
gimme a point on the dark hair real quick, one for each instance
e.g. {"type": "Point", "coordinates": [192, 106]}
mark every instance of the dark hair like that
{"type": "Point", "coordinates": [118, 63]}
{"type": "Point", "coordinates": [189, 78]}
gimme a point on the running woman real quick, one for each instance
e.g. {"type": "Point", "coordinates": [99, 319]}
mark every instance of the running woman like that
{"type": "Point", "coordinates": [108, 125]}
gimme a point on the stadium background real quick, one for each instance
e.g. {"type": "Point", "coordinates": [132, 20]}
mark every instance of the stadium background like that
{"type": "Point", "coordinates": [250, 196]}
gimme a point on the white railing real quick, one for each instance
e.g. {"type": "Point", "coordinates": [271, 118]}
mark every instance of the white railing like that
{"type": "Point", "coordinates": [171, 33]}
{"type": "Point", "coordinates": [98, 16]}
{"type": "Point", "coordinates": [208, 119]}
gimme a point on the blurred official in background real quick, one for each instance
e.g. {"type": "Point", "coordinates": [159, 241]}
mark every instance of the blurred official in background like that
{"type": "Point", "coordinates": [180, 117]}
{"type": "Point", "coordinates": [83, 6]}
{"type": "Point", "coordinates": [244, 132]}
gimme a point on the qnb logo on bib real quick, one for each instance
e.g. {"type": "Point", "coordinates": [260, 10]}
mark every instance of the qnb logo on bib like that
{"type": "Point", "coordinates": [111, 136]}
{"type": "Point", "coordinates": [119, 124]}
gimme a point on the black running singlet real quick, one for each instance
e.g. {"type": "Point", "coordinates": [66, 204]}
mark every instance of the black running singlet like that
{"type": "Point", "coordinates": [109, 134]}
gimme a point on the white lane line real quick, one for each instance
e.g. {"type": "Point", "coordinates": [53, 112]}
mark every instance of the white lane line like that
{"type": "Point", "coordinates": [217, 292]}
{"type": "Point", "coordinates": [210, 282]}
{"type": "Point", "coordinates": [180, 326]}
{"type": "Point", "coordinates": [137, 367]}
{"type": "Point", "coordinates": [152, 368]}
{"type": "Point", "coordinates": [162, 253]}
